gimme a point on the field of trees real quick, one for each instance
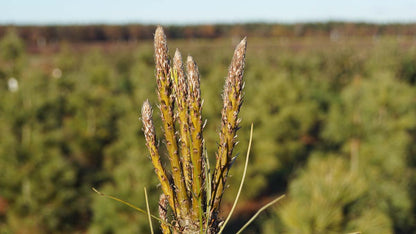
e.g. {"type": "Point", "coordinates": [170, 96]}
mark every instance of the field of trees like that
{"type": "Point", "coordinates": [334, 119]}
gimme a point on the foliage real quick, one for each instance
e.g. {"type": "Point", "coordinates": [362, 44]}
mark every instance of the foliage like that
{"type": "Point", "coordinates": [407, 68]}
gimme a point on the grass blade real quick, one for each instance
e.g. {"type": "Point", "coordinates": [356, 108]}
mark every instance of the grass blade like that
{"type": "Point", "coordinates": [130, 205]}
{"type": "Point", "coordinates": [207, 188]}
{"type": "Point", "coordinates": [242, 181]}
{"type": "Point", "coordinates": [259, 211]}
{"type": "Point", "coordinates": [148, 211]}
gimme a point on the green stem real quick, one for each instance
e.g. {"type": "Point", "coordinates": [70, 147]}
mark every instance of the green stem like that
{"type": "Point", "coordinates": [259, 211]}
{"type": "Point", "coordinates": [131, 205]}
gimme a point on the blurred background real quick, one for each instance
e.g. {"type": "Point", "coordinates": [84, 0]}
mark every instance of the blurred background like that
{"type": "Point", "coordinates": [330, 88]}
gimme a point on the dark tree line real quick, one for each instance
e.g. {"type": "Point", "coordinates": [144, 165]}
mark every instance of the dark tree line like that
{"type": "Point", "coordinates": [132, 32]}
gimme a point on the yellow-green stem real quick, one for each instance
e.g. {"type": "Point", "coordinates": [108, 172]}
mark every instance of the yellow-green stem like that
{"type": "Point", "coordinates": [180, 89]}
{"type": "Point", "coordinates": [195, 123]}
{"type": "Point", "coordinates": [166, 108]}
{"type": "Point", "coordinates": [150, 136]}
{"type": "Point", "coordinates": [232, 99]}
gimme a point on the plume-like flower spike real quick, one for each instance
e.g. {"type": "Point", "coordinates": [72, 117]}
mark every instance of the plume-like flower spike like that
{"type": "Point", "coordinates": [164, 85]}
{"type": "Point", "coordinates": [232, 100]}
{"type": "Point", "coordinates": [150, 136]}
{"type": "Point", "coordinates": [195, 124]}
{"type": "Point", "coordinates": [180, 89]}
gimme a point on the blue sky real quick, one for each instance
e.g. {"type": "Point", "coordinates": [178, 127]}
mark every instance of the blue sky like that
{"type": "Point", "coordinates": [208, 11]}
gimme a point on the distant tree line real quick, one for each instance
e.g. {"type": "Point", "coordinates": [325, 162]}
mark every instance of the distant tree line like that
{"type": "Point", "coordinates": [133, 32]}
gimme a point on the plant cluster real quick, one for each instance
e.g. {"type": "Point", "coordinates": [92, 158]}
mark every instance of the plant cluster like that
{"type": "Point", "coordinates": [193, 195]}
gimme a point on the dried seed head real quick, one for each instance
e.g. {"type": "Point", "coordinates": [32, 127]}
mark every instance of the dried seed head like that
{"type": "Point", "coordinates": [239, 58]}
{"type": "Point", "coordinates": [179, 83]}
{"type": "Point", "coordinates": [234, 83]}
{"type": "Point", "coordinates": [233, 90]}
{"type": "Point", "coordinates": [193, 79]}
{"type": "Point", "coordinates": [177, 64]}
{"type": "Point", "coordinates": [148, 128]}
{"type": "Point", "coordinates": [161, 55]}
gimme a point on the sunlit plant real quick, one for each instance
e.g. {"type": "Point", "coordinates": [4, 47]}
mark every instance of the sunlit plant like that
{"type": "Point", "coordinates": [192, 192]}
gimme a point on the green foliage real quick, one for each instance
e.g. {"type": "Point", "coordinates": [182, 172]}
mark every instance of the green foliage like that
{"type": "Point", "coordinates": [367, 180]}
{"type": "Point", "coordinates": [11, 46]}
{"type": "Point", "coordinates": [320, 195]}
{"type": "Point", "coordinates": [12, 55]}
{"type": "Point", "coordinates": [377, 117]}
{"type": "Point", "coordinates": [407, 68]}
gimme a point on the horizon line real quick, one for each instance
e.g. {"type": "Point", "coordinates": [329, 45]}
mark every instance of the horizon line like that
{"type": "Point", "coordinates": [202, 22]}
{"type": "Point", "coordinates": [184, 24]}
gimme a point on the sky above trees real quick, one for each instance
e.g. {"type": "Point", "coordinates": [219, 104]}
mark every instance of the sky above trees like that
{"type": "Point", "coordinates": [196, 12]}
